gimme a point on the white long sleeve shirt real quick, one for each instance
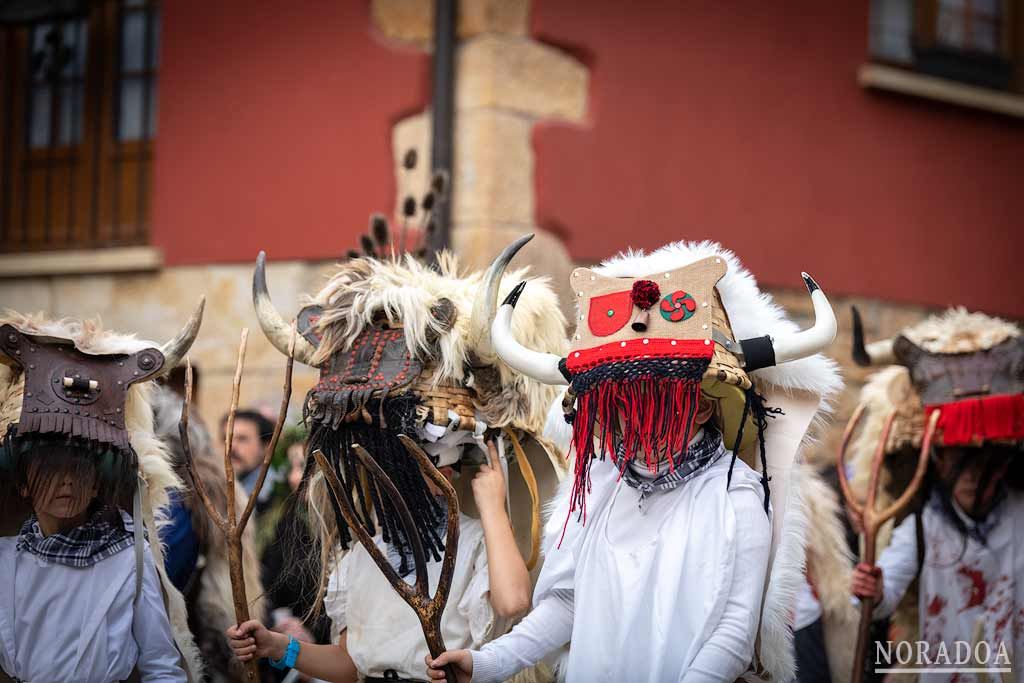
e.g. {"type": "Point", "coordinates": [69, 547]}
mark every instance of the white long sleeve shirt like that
{"type": "Point", "coordinates": [963, 583]}
{"type": "Point", "coordinates": [60, 623]}
{"type": "Point", "coordinates": [671, 592]}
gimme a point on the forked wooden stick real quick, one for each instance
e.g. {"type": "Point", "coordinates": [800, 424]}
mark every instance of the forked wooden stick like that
{"type": "Point", "coordinates": [872, 519]}
{"type": "Point", "coordinates": [232, 526]}
{"type": "Point", "coordinates": [428, 609]}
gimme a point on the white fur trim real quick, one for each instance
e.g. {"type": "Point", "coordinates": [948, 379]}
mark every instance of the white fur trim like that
{"type": "Point", "coordinates": [959, 331]}
{"type": "Point", "coordinates": [787, 573]}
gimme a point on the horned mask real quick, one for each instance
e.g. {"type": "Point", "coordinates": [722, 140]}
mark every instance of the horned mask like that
{"type": "Point", "coordinates": [967, 367]}
{"type": "Point", "coordinates": [70, 383]}
{"type": "Point", "coordinates": [649, 343]}
{"type": "Point", "coordinates": [404, 349]}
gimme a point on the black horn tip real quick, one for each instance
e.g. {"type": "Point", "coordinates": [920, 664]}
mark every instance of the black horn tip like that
{"type": "Point", "coordinates": [859, 353]}
{"type": "Point", "coordinates": [513, 297]}
{"type": "Point", "coordinates": [810, 283]}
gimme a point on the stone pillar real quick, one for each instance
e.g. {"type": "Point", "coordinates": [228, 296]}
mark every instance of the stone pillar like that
{"type": "Point", "coordinates": [505, 82]}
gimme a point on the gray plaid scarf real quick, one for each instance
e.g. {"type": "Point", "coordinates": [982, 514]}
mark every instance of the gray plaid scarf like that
{"type": "Point", "coordinates": [694, 459]}
{"type": "Point", "coordinates": [81, 547]}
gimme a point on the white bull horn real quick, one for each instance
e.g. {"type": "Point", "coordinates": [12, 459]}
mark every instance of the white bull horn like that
{"type": "Point", "coordinates": [543, 367]}
{"type": "Point", "coordinates": [174, 350]}
{"type": "Point", "coordinates": [763, 352]}
{"type": "Point", "coordinates": [277, 330]}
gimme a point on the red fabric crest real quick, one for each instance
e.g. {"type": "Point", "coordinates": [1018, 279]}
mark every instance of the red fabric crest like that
{"type": "Point", "coordinates": [609, 313]}
{"type": "Point", "coordinates": [976, 420]}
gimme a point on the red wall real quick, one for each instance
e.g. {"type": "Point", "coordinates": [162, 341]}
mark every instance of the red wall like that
{"type": "Point", "coordinates": [275, 128]}
{"type": "Point", "coordinates": [748, 127]}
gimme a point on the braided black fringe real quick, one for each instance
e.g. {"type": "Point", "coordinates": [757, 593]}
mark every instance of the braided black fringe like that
{"type": "Point", "coordinates": [385, 448]}
{"type": "Point", "coordinates": [755, 404]}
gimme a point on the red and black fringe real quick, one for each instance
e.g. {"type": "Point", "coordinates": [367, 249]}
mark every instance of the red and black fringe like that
{"type": "Point", "coordinates": [642, 407]}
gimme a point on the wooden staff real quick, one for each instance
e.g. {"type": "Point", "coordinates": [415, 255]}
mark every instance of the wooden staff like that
{"type": "Point", "coordinates": [428, 609]}
{"type": "Point", "coordinates": [872, 519]}
{"type": "Point", "coordinates": [231, 525]}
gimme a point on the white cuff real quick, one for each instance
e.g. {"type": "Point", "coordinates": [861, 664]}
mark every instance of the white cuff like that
{"type": "Point", "coordinates": [485, 667]}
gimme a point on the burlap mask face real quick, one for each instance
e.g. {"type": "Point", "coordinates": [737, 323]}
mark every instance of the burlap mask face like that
{"type": "Point", "coordinates": [640, 351]}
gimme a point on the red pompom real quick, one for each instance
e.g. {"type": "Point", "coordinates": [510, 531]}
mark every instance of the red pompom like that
{"type": "Point", "coordinates": [645, 293]}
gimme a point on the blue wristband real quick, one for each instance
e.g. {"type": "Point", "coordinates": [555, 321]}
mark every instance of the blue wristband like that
{"type": "Point", "coordinates": [291, 653]}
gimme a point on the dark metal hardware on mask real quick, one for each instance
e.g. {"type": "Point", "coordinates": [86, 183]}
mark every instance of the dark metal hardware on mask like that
{"type": "Point", "coordinates": [872, 519]}
{"type": "Point", "coordinates": [428, 609]}
{"type": "Point", "coordinates": [232, 525]}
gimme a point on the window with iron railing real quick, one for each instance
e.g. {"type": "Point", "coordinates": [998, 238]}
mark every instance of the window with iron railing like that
{"type": "Point", "coordinates": [78, 104]}
{"type": "Point", "coordinates": [976, 42]}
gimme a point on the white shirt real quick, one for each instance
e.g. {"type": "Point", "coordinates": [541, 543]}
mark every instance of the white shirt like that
{"type": "Point", "coordinates": [383, 631]}
{"type": "Point", "coordinates": [960, 585]}
{"type": "Point", "coordinates": [669, 593]}
{"type": "Point", "coordinates": [61, 623]}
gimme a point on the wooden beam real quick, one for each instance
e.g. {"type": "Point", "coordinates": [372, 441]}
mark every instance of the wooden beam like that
{"type": "Point", "coordinates": [443, 115]}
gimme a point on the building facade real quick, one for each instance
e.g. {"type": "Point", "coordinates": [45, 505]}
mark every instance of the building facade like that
{"type": "Point", "coordinates": [150, 150]}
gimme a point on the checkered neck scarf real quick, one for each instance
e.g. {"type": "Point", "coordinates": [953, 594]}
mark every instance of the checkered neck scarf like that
{"type": "Point", "coordinates": [694, 459]}
{"type": "Point", "coordinates": [81, 547]}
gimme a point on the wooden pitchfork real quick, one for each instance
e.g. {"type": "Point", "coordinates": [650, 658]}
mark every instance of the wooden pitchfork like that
{"type": "Point", "coordinates": [233, 526]}
{"type": "Point", "coordinates": [428, 609]}
{"type": "Point", "coordinates": [872, 519]}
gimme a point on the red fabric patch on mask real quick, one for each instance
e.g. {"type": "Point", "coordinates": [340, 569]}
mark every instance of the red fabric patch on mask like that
{"type": "Point", "coordinates": [609, 313]}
